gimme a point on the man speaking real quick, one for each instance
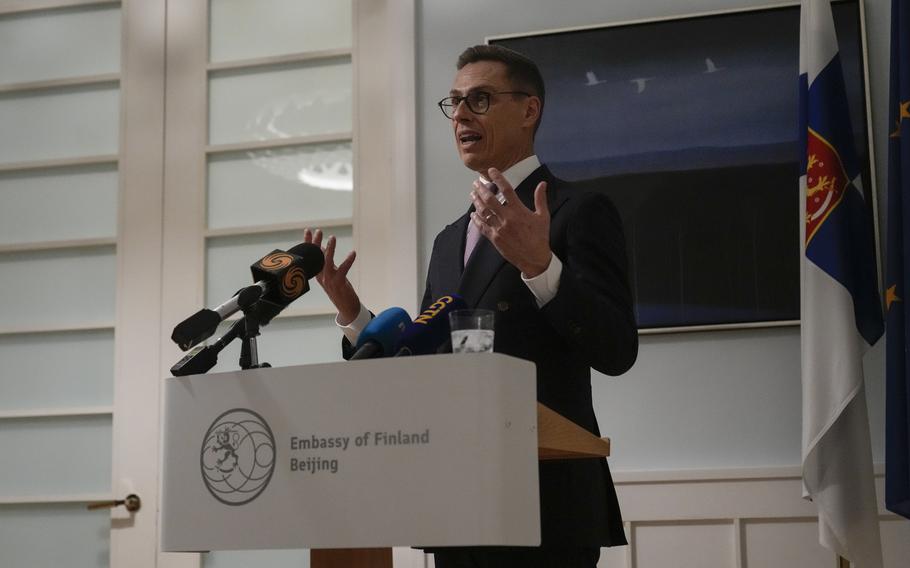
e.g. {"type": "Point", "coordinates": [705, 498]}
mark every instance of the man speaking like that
{"type": "Point", "coordinates": [551, 262]}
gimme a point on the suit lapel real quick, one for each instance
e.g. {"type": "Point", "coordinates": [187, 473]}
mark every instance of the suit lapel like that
{"type": "Point", "coordinates": [486, 262]}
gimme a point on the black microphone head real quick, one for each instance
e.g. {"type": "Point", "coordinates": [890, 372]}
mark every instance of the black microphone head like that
{"type": "Point", "coordinates": [197, 362]}
{"type": "Point", "coordinates": [195, 329]}
{"type": "Point", "coordinates": [313, 259]}
{"type": "Point", "coordinates": [284, 276]}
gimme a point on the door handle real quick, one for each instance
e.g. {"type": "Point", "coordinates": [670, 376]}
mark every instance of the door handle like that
{"type": "Point", "coordinates": [132, 502]}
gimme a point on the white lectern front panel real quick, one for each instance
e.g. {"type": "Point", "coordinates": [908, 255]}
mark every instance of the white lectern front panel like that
{"type": "Point", "coordinates": [413, 451]}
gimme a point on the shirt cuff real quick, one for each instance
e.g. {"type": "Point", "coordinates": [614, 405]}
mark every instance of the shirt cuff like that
{"type": "Point", "coordinates": [353, 329]}
{"type": "Point", "coordinates": [545, 285]}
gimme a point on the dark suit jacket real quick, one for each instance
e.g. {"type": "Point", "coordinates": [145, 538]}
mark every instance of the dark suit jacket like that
{"type": "Point", "coordinates": [588, 324]}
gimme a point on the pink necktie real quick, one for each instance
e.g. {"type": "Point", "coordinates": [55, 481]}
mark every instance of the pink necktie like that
{"type": "Point", "coordinates": [470, 241]}
{"type": "Point", "coordinates": [473, 236]}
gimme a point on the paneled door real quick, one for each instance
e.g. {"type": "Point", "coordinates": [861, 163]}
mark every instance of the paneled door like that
{"type": "Point", "coordinates": [150, 151]}
{"type": "Point", "coordinates": [81, 129]}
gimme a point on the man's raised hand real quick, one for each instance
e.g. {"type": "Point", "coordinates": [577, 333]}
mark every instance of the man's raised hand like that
{"type": "Point", "coordinates": [521, 236]}
{"type": "Point", "coordinates": [334, 279]}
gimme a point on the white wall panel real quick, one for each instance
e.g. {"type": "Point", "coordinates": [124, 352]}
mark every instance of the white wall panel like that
{"type": "Point", "coordinates": [701, 545]}
{"type": "Point", "coordinates": [280, 186]}
{"type": "Point", "coordinates": [896, 542]}
{"type": "Point", "coordinates": [58, 204]}
{"type": "Point", "coordinates": [241, 29]}
{"type": "Point", "coordinates": [784, 543]}
{"type": "Point", "coordinates": [228, 261]}
{"type": "Point", "coordinates": [55, 456]}
{"type": "Point", "coordinates": [57, 288]}
{"type": "Point", "coordinates": [280, 102]}
{"type": "Point", "coordinates": [45, 536]}
{"type": "Point", "coordinates": [37, 46]}
{"type": "Point", "coordinates": [64, 123]}
{"type": "Point", "coordinates": [48, 370]}
{"type": "Point", "coordinates": [681, 407]}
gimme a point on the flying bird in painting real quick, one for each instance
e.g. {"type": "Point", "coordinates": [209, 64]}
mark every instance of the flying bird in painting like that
{"type": "Point", "coordinates": [710, 67]}
{"type": "Point", "coordinates": [640, 83]}
{"type": "Point", "coordinates": [592, 79]}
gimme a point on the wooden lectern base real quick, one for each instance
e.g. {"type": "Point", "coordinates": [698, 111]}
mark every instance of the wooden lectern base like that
{"type": "Point", "coordinates": [558, 438]}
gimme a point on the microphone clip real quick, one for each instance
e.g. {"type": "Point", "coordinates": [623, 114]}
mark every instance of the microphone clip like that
{"type": "Point", "coordinates": [255, 315]}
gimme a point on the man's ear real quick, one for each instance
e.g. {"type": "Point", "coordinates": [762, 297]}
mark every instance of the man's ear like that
{"type": "Point", "coordinates": [532, 110]}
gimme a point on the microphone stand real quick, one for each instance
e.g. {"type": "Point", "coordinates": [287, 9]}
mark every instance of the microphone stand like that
{"type": "Point", "coordinates": [249, 350]}
{"type": "Point", "coordinates": [257, 312]}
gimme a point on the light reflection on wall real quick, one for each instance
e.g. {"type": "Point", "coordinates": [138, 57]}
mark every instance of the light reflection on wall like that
{"type": "Point", "coordinates": [326, 166]}
{"type": "Point", "coordinates": [323, 166]}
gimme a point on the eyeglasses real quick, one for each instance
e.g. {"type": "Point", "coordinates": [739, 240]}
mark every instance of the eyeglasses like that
{"type": "Point", "coordinates": [478, 102]}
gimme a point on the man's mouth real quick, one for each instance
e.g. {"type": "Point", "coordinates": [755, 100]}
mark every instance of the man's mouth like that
{"type": "Point", "coordinates": [468, 138]}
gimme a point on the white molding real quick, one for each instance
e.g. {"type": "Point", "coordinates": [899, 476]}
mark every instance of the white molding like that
{"type": "Point", "coordinates": [21, 6]}
{"type": "Point", "coordinates": [699, 475]}
{"type": "Point", "coordinates": [279, 227]}
{"type": "Point", "coordinates": [738, 497]}
{"type": "Point", "coordinates": [138, 314]}
{"type": "Point", "coordinates": [739, 550]}
{"type": "Point", "coordinates": [101, 159]}
{"type": "Point", "coordinates": [289, 142]}
{"type": "Point", "coordinates": [259, 62]}
{"type": "Point", "coordinates": [56, 412]}
{"type": "Point", "coordinates": [49, 84]}
{"type": "Point", "coordinates": [719, 327]}
{"type": "Point", "coordinates": [185, 176]}
{"type": "Point", "coordinates": [66, 499]}
{"type": "Point", "coordinates": [632, 477]}
{"type": "Point", "coordinates": [61, 328]}
{"type": "Point", "coordinates": [58, 245]}
{"type": "Point", "coordinates": [750, 494]}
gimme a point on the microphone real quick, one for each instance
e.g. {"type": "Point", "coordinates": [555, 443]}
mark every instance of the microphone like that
{"type": "Point", "coordinates": [430, 329]}
{"type": "Point", "coordinates": [204, 357]}
{"type": "Point", "coordinates": [286, 276]}
{"type": "Point", "coordinates": [280, 278]}
{"type": "Point", "coordinates": [379, 336]}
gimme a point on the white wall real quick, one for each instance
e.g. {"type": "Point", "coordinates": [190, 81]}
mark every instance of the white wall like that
{"type": "Point", "coordinates": [697, 400]}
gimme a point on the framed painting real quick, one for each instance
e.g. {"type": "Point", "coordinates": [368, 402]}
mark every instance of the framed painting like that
{"type": "Point", "coordinates": [690, 126]}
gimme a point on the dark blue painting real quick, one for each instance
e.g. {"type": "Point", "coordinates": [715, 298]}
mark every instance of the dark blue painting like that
{"type": "Point", "coordinates": [690, 126]}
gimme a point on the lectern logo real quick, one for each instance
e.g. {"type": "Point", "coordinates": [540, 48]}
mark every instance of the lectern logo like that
{"type": "Point", "coordinates": [238, 456]}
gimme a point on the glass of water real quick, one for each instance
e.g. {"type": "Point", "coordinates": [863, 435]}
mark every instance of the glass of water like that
{"type": "Point", "coordinates": [472, 331]}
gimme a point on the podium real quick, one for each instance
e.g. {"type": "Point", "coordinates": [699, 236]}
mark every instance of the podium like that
{"type": "Point", "coordinates": [352, 458]}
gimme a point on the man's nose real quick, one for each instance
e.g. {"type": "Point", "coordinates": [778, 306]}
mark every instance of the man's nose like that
{"type": "Point", "coordinates": [462, 111]}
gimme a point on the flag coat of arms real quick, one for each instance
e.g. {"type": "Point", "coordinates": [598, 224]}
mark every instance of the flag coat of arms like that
{"type": "Point", "coordinates": [840, 306]}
